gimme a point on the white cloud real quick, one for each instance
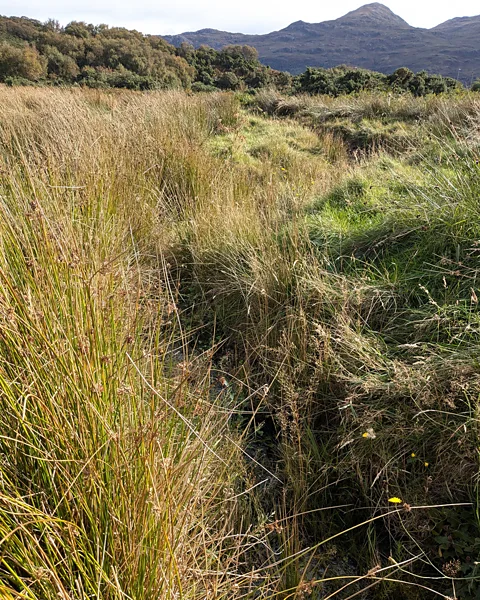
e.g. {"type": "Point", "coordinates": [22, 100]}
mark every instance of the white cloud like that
{"type": "Point", "coordinates": [248, 16]}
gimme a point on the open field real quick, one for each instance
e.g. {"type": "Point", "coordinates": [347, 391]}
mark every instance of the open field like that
{"type": "Point", "coordinates": [239, 346]}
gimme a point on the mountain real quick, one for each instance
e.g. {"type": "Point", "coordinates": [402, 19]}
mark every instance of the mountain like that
{"type": "Point", "coordinates": [372, 14]}
{"type": "Point", "coordinates": [372, 37]}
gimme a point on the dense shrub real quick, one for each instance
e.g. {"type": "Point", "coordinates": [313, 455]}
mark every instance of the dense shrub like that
{"type": "Point", "coordinates": [346, 80]}
{"type": "Point", "coordinates": [421, 83]}
{"type": "Point", "coordinates": [228, 81]}
{"type": "Point", "coordinates": [232, 68]}
{"type": "Point", "coordinates": [198, 86]}
{"type": "Point", "coordinates": [20, 62]}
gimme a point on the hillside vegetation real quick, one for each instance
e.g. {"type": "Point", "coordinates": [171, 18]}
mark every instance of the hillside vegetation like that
{"type": "Point", "coordinates": [239, 341]}
{"type": "Point", "coordinates": [97, 56]}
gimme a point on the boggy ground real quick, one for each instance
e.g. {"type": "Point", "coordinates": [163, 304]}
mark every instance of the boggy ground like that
{"type": "Point", "coordinates": [239, 346]}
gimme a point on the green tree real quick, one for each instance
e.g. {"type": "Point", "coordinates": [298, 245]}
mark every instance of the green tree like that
{"type": "Point", "coordinates": [400, 79]}
{"type": "Point", "coordinates": [59, 65]}
{"type": "Point", "coordinates": [52, 25]}
{"type": "Point", "coordinates": [228, 81]}
{"type": "Point", "coordinates": [79, 29]}
{"type": "Point", "coordinates": [23, 62]}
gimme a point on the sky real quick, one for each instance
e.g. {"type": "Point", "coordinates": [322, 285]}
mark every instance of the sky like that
{"type": "Point", "coordinates": [247, 16]}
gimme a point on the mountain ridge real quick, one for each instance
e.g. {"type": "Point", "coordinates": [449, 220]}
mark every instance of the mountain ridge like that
{"type": "Point", "coordinates": [372, 37]}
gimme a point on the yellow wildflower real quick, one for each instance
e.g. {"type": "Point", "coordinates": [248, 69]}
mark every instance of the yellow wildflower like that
{"type": "Point", "coordinates": [413, 455]}
{"type": "Point", "coordinates": [395, 500]}
{"type": "Point", "coordinates": [426, 464]}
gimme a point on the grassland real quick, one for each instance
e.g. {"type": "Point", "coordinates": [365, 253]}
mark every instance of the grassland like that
{"type": "Point", "coordinates": [232, 331]}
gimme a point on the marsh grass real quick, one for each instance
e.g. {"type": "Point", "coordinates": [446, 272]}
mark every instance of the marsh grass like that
{"type": "Point", "coordinates": [227, 340]}
{"type": "Point", "coordinates": [109, 465]}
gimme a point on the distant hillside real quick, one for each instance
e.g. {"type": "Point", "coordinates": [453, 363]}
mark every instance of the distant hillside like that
{"type": "Point", "coordinates": [372, 37]}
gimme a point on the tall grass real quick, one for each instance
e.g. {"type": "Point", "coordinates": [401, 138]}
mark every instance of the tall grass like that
{"type": "Point", "coordinates": [117, 479]}
{"type": "Point", "coordinates": [217, 327]}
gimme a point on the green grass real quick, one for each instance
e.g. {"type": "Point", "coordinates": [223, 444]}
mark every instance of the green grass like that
{"type": "Point", "coordinates": [228, 338]}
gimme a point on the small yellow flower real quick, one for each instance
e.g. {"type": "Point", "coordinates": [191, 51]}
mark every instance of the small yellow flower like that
{"type": "Point", "coordinates": [369, 434]}
{"type": "Point", "coordinates": [426, 464]}
{"type": "Point", "coordinates": [413, 455]}
{"type": "Point", "coordinates": [395, 500]}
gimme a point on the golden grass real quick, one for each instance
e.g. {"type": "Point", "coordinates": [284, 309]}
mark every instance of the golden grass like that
{"type": "Point", "coordinates": [150, 242]}
{"type": "Point", "coordinates": [110, 467]}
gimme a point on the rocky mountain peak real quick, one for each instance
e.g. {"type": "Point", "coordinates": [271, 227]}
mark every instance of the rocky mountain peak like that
{"type": "Point", "coordinates": [374, 13]}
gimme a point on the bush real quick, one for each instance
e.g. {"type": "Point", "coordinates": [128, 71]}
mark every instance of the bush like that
{"type": "Point", "coordinates": [25, 62]}
{"type": "Point", "coordinates": [198, 86]}
{"type": "Point", "coordinates": [228, 81]}
{"type": "Point", "coordinates": [21, 81]}
{"type": "Point", "coordinates": [344, 80]}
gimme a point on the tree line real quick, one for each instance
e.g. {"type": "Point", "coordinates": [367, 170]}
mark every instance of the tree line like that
{"type": "Point", "coordinates": [98, 56]}
{"type": "Point", "coordinates": [101, 56]}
